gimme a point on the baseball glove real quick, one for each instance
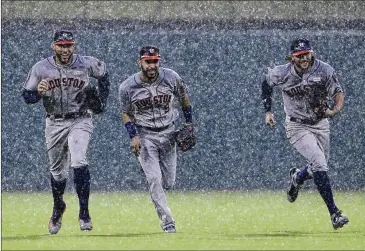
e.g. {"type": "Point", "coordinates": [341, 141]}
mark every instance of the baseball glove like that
{"type": "Point", "coordinates": [93, 101]}
{"type": "Point", "coordinates": [318, 100]}
{"type": "Point", "coordinates": [185, 138]}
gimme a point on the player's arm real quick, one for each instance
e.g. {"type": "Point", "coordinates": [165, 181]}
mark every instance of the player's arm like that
{"type": "Point", "coordinates": [33, 88]}
{"type": "Point", "coordinates": [96, 99]}
{"type": "Point", "coordinates": [33, 96]}
{"type": "Point", "coordinates": [338, 104]}
{"type": "Point", "coordinates": [184, 100]}
{"type": "Point", "coordinates": [104, 89]}
{"type": "Point", "coordinates": [99, 71]}
{"type": "Point", "coordinates": [266, 97]}
{"type": "Point", "coordinates": [30, 96]}
{"type": "Point", "coordinates": [336, 92]}
{"type": "Point", "coordinates": [133, 133]}
{"type": "Point", "coordinates": [187, 109]}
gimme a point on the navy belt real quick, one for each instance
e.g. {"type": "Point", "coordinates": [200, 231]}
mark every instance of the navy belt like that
{"type": "Point", "coordinates": [304, 121]}
{"type": "Point", "coordinates": [71, 115]}
{"type": "Point", "coordinates": [156, 129]}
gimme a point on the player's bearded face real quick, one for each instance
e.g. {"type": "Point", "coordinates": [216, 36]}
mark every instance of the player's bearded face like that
{"type": "Point", "coordinates": [63, 52]}
{"type": "Point", "coordinates": [302, 62]}
{"type": "Point", "coordinates": [149, 68]}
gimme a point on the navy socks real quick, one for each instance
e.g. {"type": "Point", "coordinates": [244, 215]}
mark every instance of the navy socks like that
{"type": "Point", "coordinates": [322, 182]}
{"type": "Point", "coordinates": [58, 189]}
{"type": "Point", "coordinates": [82, 186]}
{"type": "Point", "coordinates": [303, 175]}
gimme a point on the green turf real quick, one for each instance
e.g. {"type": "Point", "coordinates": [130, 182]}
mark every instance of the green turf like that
{"type": "Point", "coordinates": [205, 221]}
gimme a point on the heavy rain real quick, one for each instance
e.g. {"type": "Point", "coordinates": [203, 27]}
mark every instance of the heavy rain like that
{"type": "Point", "coordinates": [222, 50]}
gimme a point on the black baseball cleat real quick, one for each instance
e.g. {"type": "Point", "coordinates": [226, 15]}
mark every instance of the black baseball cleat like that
{"type": "Point", "coordinates": [169, 228]}
{"type": "Point", "coordinates": [338, 220]}
{"type": "Point", "coordinates": [292, 193]}
{"type": "Point", "coordinates": [85, 223]}
{"type": "Point", "coordinates": [55, 222]}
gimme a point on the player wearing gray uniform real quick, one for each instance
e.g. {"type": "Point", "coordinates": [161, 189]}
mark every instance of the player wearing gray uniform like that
{"type": "Point", "coordinates": [148, 109]}
{"type": "Point", "coordinates": [63, 83]}
{"type": "Point", "coordinates": [306, 128]}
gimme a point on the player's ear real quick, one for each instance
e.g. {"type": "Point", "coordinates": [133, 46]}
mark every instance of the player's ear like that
{"type": "Point", "coordinates": [139, 62]}
{"type": "Point", "coordinates": [288, 57]}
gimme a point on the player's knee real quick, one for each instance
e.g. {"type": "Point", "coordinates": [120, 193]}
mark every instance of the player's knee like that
{"type": "Point", "coordinates": [59, 176]}
{"type": "Point", "coordinates": [154, 181]}
{"type": "Point", "coordinates": [77, 162]}
{"type": "Point", "coordinates": [319, 167]}
{"type": "Point", "coordinates": [318, 164]}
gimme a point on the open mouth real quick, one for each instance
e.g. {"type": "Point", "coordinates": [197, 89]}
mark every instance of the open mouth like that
{"type": "Point", "coordinates": [304, 64]}
{"type": "Point", "coordinates": [65, 57]}
{"type": "Point", "coordinates": [151, 72]}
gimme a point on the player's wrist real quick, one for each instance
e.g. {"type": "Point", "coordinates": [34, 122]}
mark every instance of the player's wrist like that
{"type": "Point", "coordinates": [131, 129]}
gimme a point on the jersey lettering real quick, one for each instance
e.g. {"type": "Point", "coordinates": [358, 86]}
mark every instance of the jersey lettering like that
{"type": "Point", "coordinates": [156, 100]}
{"type": "Point", "coordinates": [74, 82]}
{"type": "Point", "coordinates": [298, 90]}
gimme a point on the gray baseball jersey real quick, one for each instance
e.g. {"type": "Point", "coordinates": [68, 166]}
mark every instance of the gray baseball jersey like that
{"type": "Point", "coordinates": [67, 137]}
{"type": "Point", "coordinates": [66, 84]}
{"type": "Point", "coordinates": [152, 105]}
{"type": "Point", "coordinates": [153, 109]}
{"type": "Point", "coordinates": [311, 140]}
{"type": "Point", "coordinates": [295, 88]}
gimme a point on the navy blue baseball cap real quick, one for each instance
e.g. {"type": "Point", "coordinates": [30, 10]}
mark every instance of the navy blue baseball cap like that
{"type": "Point", "coordinates": [300, 46]}
{"type": "Point", "coordinates": [149, 53]}
{"type": "Point", "coordinates": [63, 37]}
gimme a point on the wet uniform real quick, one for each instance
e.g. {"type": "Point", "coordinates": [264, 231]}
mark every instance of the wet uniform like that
{"type": "Point", "coordinates": [307, 133]}
{"type": "Point", "coordinates": [68, 121]}
{"type": "Point", "coordinates": [153, 109]}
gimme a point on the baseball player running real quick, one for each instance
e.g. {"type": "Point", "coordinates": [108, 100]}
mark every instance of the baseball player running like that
{"type": "Point", "coordinates": [63, 83]}
{"type": "Point", "coordinates": [148, 110]}
{"type": "Point", "coordinates": [306, 83]}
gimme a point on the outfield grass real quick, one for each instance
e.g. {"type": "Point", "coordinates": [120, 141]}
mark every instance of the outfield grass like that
{"type": "Point", "coordinates": [205, 221]}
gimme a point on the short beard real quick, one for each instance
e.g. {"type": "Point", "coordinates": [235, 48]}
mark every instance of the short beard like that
{"type": "Point", "coordinates": [62, 62]}
{"type": "Point", "coordinates": [145, 73]}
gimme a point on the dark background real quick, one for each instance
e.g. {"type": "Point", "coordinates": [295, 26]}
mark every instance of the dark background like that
{"type": "Point", "coordinates": [223, 63]}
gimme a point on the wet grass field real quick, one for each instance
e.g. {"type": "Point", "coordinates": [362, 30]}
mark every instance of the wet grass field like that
{"type": "Point", "coordinates": [205, 220]}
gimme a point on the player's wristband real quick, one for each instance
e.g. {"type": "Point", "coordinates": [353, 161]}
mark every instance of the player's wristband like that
{"type": "Point", "coordinates": [188, 113]}
{"type": "Point", "coordinates": [31, 97]}
{"type": "Point", "coordinates": [131, 129]}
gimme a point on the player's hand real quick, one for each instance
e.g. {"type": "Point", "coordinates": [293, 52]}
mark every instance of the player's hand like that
{"type": "Point", "coordinates": [269, 119]}
{"type": "Point", "coordinates": [42, 87]}
{"type": "Point", "coordinates": [329, 113]}
{"type": "Point", "coordinates": [136, 145]}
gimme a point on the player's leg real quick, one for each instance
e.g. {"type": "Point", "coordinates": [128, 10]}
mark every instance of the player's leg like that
{"type": "Point", "coordinates": [307, 146]}
{"type": "Point", "coordinates": [57, 150]}
{"type": "Point", "coordinates": [168, 159]}
{"type": "Point", "coordinates": [78, 141]}
{"type": "Point", "coordinates": [322, 180]}
{"type": "Point", "coordinates": [297, 135]}
{"type": "Point", "coordinates": [150, 162]}
{"type": "Point", "coordinates": [312, 144]}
